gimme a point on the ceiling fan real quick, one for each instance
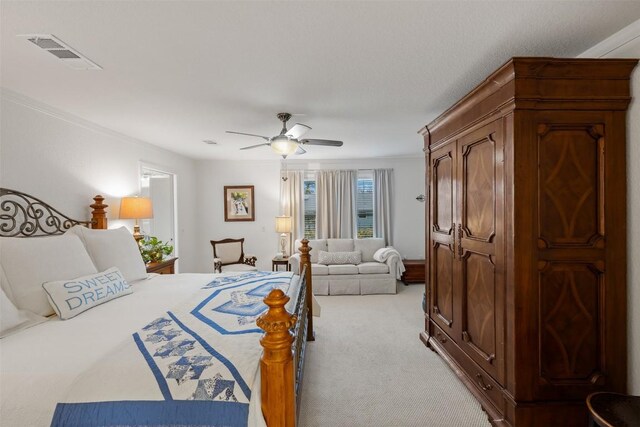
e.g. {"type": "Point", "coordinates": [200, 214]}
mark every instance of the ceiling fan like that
{"type": "Point", "coordinates": [288, 141]}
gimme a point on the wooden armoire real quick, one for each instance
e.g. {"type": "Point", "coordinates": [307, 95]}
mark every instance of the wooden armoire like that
{"type": "Point", "coordinates": [526, 238]}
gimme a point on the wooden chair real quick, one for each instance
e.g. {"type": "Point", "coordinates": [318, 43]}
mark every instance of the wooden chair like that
{"type": "Point", "coordinates": [613, 410]}
{"type": "Point", "coordinates": [228, 255]}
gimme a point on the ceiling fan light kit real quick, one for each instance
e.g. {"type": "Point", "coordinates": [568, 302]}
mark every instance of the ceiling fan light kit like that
{"type": "Point", "coordinates": [288, 142]}
{"type": "Point", "coordinates": [284, 146]}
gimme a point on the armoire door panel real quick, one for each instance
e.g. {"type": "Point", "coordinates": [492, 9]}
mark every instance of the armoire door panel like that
{"type": "Point", "coordinates": [570, 185]}
{"type": "Point", "coordinates": [570, 332]}
{"type": "Point", "coordinates": [443, 170]}
{"type": "Point", "coordinates": [443, 287]}
{"type": "Point", "coordinates": [478, 212]}
{"type": "Point", "coordinates": [479, 305]}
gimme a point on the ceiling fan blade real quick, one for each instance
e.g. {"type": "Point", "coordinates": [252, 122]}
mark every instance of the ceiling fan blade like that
{"type": "Point", "coordinates": [297, 130]}
{"type": "Point", "coordinates": [300, 150]}
{"type": "Point", "coordinates": [248, 134]}
{"type": "Point", "coordinates": [327, 142]}
{"type": "Point", "coordinates": [253, 146]}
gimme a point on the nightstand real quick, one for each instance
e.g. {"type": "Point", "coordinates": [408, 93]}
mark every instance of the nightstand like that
{"type": "Point", "coordinates": [414, 271]}
{"type": "Point", "coordinates": [280, 261]}
{"type": "Point", "coordinates": [163, 267]}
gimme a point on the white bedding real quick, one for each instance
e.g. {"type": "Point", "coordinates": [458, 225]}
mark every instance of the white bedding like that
{"type": "Point", "coordinates": [38, 365]}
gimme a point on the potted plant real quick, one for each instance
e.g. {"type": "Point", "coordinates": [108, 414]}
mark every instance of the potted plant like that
{"type": "Point", "coordinates": [153, 250]}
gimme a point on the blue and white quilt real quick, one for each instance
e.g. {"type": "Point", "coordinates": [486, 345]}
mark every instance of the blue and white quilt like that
{"type": "Point", "coordinates": [194, 365]}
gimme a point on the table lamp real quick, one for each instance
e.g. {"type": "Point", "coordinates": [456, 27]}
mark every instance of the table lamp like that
{"type": "Point", "coordinates": [136, 208]}
{"type": "Point", "coordinates": [283, 226]}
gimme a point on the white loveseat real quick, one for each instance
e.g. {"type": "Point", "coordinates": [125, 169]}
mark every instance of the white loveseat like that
{"type": "Point", "coordinates": [367, 277]}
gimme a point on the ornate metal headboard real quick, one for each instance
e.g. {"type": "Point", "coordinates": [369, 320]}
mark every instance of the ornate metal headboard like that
{"type": "Point", "coordinates": [22, 215]}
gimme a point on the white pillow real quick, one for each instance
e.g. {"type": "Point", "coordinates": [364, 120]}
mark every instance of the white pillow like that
{"type": "Point", "coordinates": [340, 245]}
{"type": "Point", "coordinates": [113, 248]}
{"type": "Point", "coordinates": [71, 297]}
{"type": "Point", "coordinates": [14, 320]}
{"type": "Point", "coordinates": [316, 245]}
{"type": "Point", "coordinates": [29, 262]}
{"type": "Point", "coordinates": [368, 247]}
{"type": "Point", "coordinates": [337, 258]}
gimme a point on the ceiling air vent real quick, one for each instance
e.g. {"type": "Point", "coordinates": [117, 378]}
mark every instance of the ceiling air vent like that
{"type": "Point", "coordinates": [62, 51]}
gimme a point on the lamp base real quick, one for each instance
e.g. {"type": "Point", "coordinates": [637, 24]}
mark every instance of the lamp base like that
{"type": "Point", "coordinates": [283, 244]}
{"type": "Point", "coordinates": [136, 233]}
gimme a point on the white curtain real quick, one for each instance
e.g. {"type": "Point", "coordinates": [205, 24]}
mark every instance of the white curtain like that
{"type": "Point", "coordinates": [336, 203]}
{"type": "Point", "coordinates": [291, 202]}
{"type": "Point", "coordinates": [382, 193]}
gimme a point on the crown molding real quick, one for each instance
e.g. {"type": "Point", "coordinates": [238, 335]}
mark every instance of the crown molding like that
{"type": "Point", "coordinates": [41, 107]}
{"type": "Point", "coordinates": [626, 35]}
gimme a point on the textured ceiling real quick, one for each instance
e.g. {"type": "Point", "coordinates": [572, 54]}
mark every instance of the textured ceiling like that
{"type": "Point", "coordinates": [368, 73]}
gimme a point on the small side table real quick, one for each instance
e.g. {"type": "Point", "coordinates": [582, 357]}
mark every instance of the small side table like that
{"type": "Point", "coordinates": [166, 266]}
{"type": "Point", "coordinates": [275, 262]}
{"type": "Point", "coordinates": [414, 271]}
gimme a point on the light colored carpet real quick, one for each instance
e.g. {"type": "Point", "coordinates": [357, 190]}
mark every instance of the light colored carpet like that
{"type": "Point", "coordinates": [368, 367]}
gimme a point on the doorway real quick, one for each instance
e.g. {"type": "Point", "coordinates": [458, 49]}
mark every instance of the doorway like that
{"type": "Point", "coordinates": [160, 186]}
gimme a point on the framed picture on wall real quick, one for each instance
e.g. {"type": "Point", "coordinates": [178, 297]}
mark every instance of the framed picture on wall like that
{"type": "Point", "coordinates": [238, 203]}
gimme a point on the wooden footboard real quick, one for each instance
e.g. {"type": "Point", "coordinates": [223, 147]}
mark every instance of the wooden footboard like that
{"type": "Point", "coordinates": [284, 344]}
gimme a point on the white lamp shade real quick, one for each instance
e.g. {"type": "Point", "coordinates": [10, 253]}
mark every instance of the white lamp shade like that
{"type": "Point", "coordinates": [136, 208]}
{"type": "Point", "coordinates": [283, 224]}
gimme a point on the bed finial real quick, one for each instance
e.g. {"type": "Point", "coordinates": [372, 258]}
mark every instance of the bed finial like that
{"type": "Point", "coordinates": [305, 260]}
{"type": "Point", "coordinates": [276, 364]}
{"type": "Point", "coordinates": [98, 214]}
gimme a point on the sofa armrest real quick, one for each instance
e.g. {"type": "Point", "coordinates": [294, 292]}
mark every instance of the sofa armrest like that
{"type": "Point", "coordinates": [294, 262]}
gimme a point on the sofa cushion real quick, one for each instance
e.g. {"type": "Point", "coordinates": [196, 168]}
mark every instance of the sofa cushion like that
{"type": "Point", "coordinates": [343, 269]}
{"type": "Point", "coordinates": [317, 245]}
{"type": "Point", "coordinates": [319, 270]}
{"type": "Point", "coordinates": [333, 258]}
{"type": "Point", "coordinates": [340, 245]}
{"type": "Point", "coordinates": [373, 268]}
{"type": "Point", "coordinates": [368, 247]}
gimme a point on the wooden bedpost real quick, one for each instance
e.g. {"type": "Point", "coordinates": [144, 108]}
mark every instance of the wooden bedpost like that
{"type": "Point", "coordinates": [305, 260]}
{"type": "Point", "coordinates": [98, 214]}
{"type": "Point", "coordinates": [276, 364]}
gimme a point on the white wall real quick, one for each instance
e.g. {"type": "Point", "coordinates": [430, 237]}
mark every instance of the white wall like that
{"type": "Point", "coordinates": [65, 161]}
{"type": "Point", "coordinates": [408, 183]}
{"type": "Point", "coordinates": [261, 239]}
{"type": "Point", "coordinates": [626, 44]}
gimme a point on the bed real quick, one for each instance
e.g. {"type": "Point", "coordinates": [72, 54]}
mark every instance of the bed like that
{"type": "Point", "coordinates": [47, 369]}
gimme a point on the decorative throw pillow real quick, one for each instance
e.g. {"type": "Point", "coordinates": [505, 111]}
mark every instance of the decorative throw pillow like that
{"type": "Point", "coordinates": [113, 248]}
{"type": "Point", "coordinates": [29, 262]}
{"type": "Point", "coordinates": [71, 297]}
{"type": "Point", "coordinates": [336, 258]}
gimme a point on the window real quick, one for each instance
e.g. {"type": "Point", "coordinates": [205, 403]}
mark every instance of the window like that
{"type": "Point", "coordinates": [310, 208]}
{"type": "Point", "coordinates": [364, 206]}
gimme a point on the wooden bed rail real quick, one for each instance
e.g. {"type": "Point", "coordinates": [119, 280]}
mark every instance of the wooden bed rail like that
{"type": "Point", "coordinates": [279, 369]}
